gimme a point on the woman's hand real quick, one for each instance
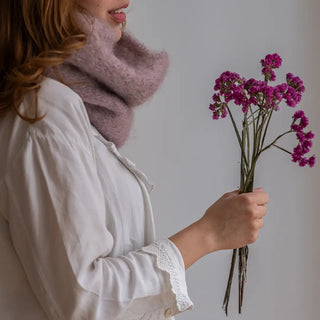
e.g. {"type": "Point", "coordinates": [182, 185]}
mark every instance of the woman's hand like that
{"type": "Point", "coordinates": [234, 220]}
{"type": "Point", "coordinates": [231, 222]}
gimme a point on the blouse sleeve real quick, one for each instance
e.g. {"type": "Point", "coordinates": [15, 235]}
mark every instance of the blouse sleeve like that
{"type": "Point", "coordinates": [55, 207]}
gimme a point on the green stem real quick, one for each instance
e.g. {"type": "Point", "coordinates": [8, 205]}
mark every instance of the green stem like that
{"type": "Point", "coordinates": [243, 258]}
{"type": "Point", "coordinates": [259, 132]}
{"type": "Point", "coordinates": [261, 127]}
{"type": "Point", "coordinates": [254, 147]}
{"type": "Point", "coordinates": [282, 149]}
{"type": "Point", "coordinates": [248, 139]}
{"type": "Point", "coordinates": [265, 131]}
{"type": "Point", "coordinates": [248, 185]}
{"type": "Point", "coordinates": [252, 113]}
{"type": "Point", "coordinates": [238, 136]}
{"type": "Point", "coordinates": [275, 140]}
{"type": "Point", "coordinates": [227, 294]}
{"type": "Point", "coordinates": [242, 172]}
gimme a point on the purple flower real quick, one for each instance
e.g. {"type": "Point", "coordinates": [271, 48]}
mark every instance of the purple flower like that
{"type": "Point", "coordinates": [309, 135]}
{"type": "Point", "coordinates": [298, 114]}
{"type": "Point", "coordinates": [298, 150]}
{"type": "Point", "coordinates": [301, 136]}
{"type": "Point", "coordinates": [218, 84]}
{"type": "Point", "coordinates": [307, 144]}
{"type": "Point", "coordinates": [216, 97]}
{"type": "Point", "coordinates": [245, 109]}
{"type": "Point", "coordinates": [302, 162]}
{"type": "Point", "coordinates": [230, 87]}
{"type": "Point", "coordinates": [312, 161]}
{"type": "Point", "coordinates": [224, 112]}
{"type": "Point", "coordinates": [229, 76]}
{"type": "Point", "coordinates": [282, 87]}
{"type": "Point", "coordinates": [253, 100]}
{"type": "Point", "coordinates": [295, 157]}
{"type": "Point", "coordinates": [271, 61]}
{"type": "Point", "coordinates": [292, 97]}
{"type": "Point", "coordinates": [294, 91]}
{"type": "Point", "coordinates": [304, 121]}
{"type": "Point", "coordinates": [219, 110]}
{"type": "Point", "coordinates": [295, 127]}
{"type": "Point", "coordinates": [304, 139]}
{"type": "Point", "coordinates": [295, 82]}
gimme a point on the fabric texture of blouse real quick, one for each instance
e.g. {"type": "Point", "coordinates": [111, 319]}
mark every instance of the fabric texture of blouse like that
{"type": "Point", "coordinates": [77, 235]}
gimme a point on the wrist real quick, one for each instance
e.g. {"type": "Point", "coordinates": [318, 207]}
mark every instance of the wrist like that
{"type": "Point", "coordinates": [207, 235]}
{"type": "Point", "coordinates": [193, 242]}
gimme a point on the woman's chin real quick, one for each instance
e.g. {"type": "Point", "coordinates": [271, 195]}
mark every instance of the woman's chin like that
{"type": "Point", "coordinates": [117, 29]}
{"type": "Point", "coordinates": [118, 33]}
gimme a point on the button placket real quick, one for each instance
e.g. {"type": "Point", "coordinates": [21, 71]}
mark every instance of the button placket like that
{"type": "Point", "coordinates": [128, 163]}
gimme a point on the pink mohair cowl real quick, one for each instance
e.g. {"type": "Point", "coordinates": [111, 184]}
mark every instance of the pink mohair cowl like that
{"type": "Point", "coordinates": [117, 76]}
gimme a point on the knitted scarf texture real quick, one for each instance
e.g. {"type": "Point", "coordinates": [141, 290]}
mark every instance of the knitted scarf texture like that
{"type": "Point", "coordinates": [116, 76]}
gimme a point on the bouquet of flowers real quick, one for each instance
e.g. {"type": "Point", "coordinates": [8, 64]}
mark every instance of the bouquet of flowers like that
{"type": "Point", "coordinates": [258, 101]}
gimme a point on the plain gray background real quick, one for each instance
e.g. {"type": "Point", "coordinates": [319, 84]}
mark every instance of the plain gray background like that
{"type": "Point", "coordinates": [193, 159]}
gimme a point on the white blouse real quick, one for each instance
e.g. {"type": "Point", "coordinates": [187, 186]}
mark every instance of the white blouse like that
{"type": "Point", "coordinates": [77, 235]}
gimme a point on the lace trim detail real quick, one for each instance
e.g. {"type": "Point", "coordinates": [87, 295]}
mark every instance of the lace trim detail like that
{"type": "Point", "coordinates": [165, 259]}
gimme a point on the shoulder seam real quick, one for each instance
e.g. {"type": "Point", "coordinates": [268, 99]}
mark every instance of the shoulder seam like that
{"type": "Point", "coordinates": [32, 134]}
{"type": "Point", "coordinates": [71, 141]}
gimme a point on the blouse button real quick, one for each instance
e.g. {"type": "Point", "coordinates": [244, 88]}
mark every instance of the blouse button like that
{"type": "Point", "coordinates": [168, 313]}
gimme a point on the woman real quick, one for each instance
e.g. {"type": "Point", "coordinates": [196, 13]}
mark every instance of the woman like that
{"type": "Point", "coordinates": [77, 237]}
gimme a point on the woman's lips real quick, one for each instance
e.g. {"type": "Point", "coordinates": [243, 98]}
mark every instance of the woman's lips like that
{"type": "Point", "coordinates": [118, 17]}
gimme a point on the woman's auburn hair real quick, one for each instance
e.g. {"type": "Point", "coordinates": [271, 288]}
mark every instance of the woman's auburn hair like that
{"type": "Point", "coordinates": [34, 35]}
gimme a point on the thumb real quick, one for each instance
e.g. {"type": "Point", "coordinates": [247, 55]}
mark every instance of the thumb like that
{"type": "Point", "coordinates": [258, 189]}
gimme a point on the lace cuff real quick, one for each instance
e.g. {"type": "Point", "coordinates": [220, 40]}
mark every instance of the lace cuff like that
{"type": "Point", "coordinates": [169, 259]}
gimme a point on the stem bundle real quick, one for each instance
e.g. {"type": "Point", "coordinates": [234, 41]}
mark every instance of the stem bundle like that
{"type": "Point", "coordinates": [247, 170]}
